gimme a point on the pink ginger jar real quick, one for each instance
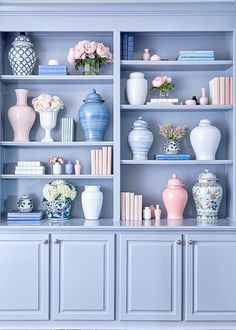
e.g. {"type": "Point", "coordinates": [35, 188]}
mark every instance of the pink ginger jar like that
{"type": "Point", "coordinates": [175, 198]}
{"type": "Point", "coordinates": [21, 117]}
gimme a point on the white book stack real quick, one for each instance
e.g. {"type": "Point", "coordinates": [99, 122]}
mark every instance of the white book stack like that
{"type": "Point", "coordinates": [67, 130]}
{"type": "Point", "coordinates": [163, 101]}
{"type": "Point", "coordinates": [101, 161]}
{"type": "Point", "coordinates": [29, 167]}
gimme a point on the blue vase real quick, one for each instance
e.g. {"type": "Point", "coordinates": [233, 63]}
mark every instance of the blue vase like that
{"type": "Point", "coordinates": [69, 168]}
{"type": "Point", "coordinates": [60, 209]}
{"type": "Point", "coordinates": [94, 117]}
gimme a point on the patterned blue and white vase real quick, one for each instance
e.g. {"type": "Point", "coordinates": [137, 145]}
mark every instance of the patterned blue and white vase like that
{"type": "Point", "coordinates": [172, 147]}
{"type": "Point", "coordinates": [207, 195]}
{"type": "Point", "coordinates": [60, 209]}
{"type": "Point", "coordinates": [94, 117]}
{"type": "Point", "coordinates": [25, 204]}
{"type": "Point", "coordinates": [22, 56]}
{"type": "Point", "coordinates": [140, 139]}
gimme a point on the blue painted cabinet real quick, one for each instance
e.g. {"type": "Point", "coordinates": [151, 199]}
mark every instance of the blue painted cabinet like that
{"type": "Point", "coordinates": [150, 277]}
{"type": "Point", "coordinates": [83, 277]}
{"type": "Point", "coordinates": [211, 277]}
{"type": "Point", "coordinates": [24, 276]}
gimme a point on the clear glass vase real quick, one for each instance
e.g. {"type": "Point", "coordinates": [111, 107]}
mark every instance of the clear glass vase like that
{"type": "Point", "coordinates": [90, 69]}
{"type": "Point", "coordinates": [164, 94]}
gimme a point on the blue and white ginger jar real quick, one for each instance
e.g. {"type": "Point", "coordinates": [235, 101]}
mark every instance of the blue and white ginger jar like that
{"type": "Point", "coordinates": [94, 117]}
{"type": "Point", "coordinates": [207, 195]}
{"type": "Point", "coordinates": [25, 204]}
{"type": "Point", "coordinates": [22, 56]}
{"type": "Point", "coordinates": [60, 209]}
{"type": "Point", "coordinates": [140, 139]}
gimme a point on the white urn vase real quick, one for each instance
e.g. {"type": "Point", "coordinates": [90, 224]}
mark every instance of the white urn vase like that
{"type": "Point", "coordinates": [48, 121]}
{"type": "Point", "coordinates": [136, 88]}
{"type": "Point", "coordinates": [92, 199]}
{"type": "Point", "coordinates": [205, 140]}
{"type": "Point", "coordinates": [56, 168]}
{"type": "Point", "coordinates": [140, 139]}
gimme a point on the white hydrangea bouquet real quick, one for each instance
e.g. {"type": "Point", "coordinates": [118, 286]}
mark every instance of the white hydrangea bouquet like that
{"type": "Point", "coordinates": [45, 102]}
{"type": "Point", "coordinates": [57, 197]}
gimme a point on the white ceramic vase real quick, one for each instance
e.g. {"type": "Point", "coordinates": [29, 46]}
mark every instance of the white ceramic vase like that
{"type": "Point", "coordinates": [56, 168]}
{"type": "Point", "coordinates": [136, 88]}
{"type": "Point", "coordinates": [140, 139]}
{"type": "Point", "coordinates": [205, 140]}
{"type": "Point", "coordinates": [48, 121]}
{"type": "Point", "coordinates": [92, 199]}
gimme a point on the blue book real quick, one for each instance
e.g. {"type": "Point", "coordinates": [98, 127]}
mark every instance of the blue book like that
{"type": "Point", "coordinates": [52, 74]}
{"type": "Point", "coordinates": [124, 54]}
{"type": "Point", "coordinates": [54, 67]}
{"type": "Point", "coordinates": [172, 157]}
{"type": "Point", "coordinates": [196, 59]}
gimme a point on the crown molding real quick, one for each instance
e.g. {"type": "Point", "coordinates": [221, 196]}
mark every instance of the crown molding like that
{"type": "Point", "coordinates": [33, 2]}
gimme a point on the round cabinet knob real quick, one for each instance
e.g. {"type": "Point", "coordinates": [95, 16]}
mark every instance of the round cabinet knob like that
{"type": "Point", "coordinates": [190, 242]}
{"type": "Point", "coordinates": [178, 242]}
{"type": "Point", "coordinates": [45, 241]}
{"type": "Point", "coordinates": [56, 241]}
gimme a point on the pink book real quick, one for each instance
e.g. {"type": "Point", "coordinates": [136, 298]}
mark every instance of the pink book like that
{"type": "Point", "coordinates": [222, 90]}
{"type": "Point", "coordinates": [96, 162]}
{"type": "Point", "coordinates": [131, 206]}
{"type": "Point", "coordinates": [140, 207]}
{"type": "Point", "coordinates": [93, 162]}
{"type": "Point", "coordinates": [104, 161]}
{"type": "Point", "coordinates": [122, 206]}
{"type": "Point", "coordinates": [136, 198]}
{"type": "Point", "coordinates": [231, 90]}
{"type": "Point", "coordinates": [100, 162]}
{"type": "Point", "coordinates": [109, 160]}
{"type": "Point", "coordinates": [227, 90]}
{"type": "Point", "coordinates": [127, 206]}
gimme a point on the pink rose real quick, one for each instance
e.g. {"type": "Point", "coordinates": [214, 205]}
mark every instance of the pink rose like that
{"type": "Point", "coordinates": [70, 56]}
{"type": "Point", "coordinates": [90, 47]}
{"type": "Point", "coordinates": [169, 80]}
{"type": "Point", "coordinates": [103, 51]}
{"type": "Point", "coordinates": [78, 53]}
{"type": "Point", "coordinates": [158, 82]}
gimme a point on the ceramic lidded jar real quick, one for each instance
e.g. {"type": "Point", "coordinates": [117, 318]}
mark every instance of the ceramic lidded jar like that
{"type": "Point", "coordinates": [205, 140]}
{"type": "Point", "coordinates": [22, 56]}
{"type": "Point", "coordinates": [94, 117]}
{"type": "Point", "coordinates": [207, 195]}
{"type": "Point", "coordinates": [175, 198]}
{"type": "Point", "coordinates": [92, 199]}
{"type": "Point", "coordinates": [25, 204]}
{"type": "Point", "coordinates": [136, 88]}
{"type": "Point", "coordinates": [140, 139]}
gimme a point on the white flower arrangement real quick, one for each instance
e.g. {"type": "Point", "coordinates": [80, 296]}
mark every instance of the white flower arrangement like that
{"type": "Point", "coordinates": [45, 102]}
{"type": "Point", "coordinates": [59, 189]}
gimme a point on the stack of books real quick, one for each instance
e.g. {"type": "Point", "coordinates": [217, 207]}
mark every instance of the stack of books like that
{"type": "Point", "coordinates": [163, 101]}
{"type": "Point", "coordinates": [131, 206]}
{"type": "Point", "coordinates": [127, 49]}
{"type": "Point", "coordinates": [25, 216]}
{"type": "Point", "coordinates": [221, 90]}
{"type": "Point", "coordinates": [196, 55]}
{"type": "Point", "coordinates": [67, 130]}
{"type": "Point", "coordinates": [172, 157]}
{"type": "Point", "coordinates": [29, 167]}
{"type": "Point", "coordinates": [52, 70]}
{"type": "Point", "coordinates": [101, 161]}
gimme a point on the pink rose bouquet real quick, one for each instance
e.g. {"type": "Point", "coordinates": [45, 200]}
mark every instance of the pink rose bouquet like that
{"type": "Point", "coordinates": [163, 83]}
{"type": "Point", "coordinates": [46, 102]}
{"type": "Point", "coordinates": [89, 52]}
{"type": "Point", "coordinates": [56, 159]}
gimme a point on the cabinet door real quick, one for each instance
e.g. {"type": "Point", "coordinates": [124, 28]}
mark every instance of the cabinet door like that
{"type": "Point", "coordinates": [150, 277]}
{"type": "Point", "coordinates": [83, 277]}
{"type": "Point", "coordinates": [211, 277]}
{"type": "Point", "coordinates": [24, 276]}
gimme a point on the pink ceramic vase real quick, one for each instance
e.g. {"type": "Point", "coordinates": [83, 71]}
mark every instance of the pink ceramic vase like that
{"type": "Point", "coordinates": [21, 116]}
{"type": "Point", "coordinates": [175, 198]}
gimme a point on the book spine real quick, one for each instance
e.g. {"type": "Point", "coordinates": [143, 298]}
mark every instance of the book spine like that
{"type": "Point", "coordinates": [104, 161]}
{"type": "Point", "coordinates": [136, 206]}
{"type": "Point", "coordinates": [222, 90]}
{"type": "Point", "coordinates": [100, 161]}
{"type": "Point", "coordinates": [122, 206]}
{"type": "Point", "coordinates": [127, 206]}
{"type": "Point", "coordinates": [109, 160]}
{"type": "Point", "coordinates": [227, 90]}
{"type": "Point", "coordinates": [96, 162]}
{"type": "Point", "coordinates": [231, 90]}
{"type": "Point", "coordinates": [93, 162]}
{"type": "Point", "coordinates": [140, 206]}
{"type": "Point", "coordinates": [131, 206]}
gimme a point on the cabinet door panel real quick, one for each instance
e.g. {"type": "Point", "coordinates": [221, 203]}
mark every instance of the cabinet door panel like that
{"type": "Point", "coordinates": [83, 277]}
{"type": "Point", "coordinates": [23, 277]}
{"type": "Point", "coordinates": [211, 274]}
{"type": "Point", "coordinates": [150, 273]}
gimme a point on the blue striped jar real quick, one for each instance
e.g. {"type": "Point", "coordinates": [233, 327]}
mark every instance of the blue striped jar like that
{"type": "Point", "coordinates": [94, 117]}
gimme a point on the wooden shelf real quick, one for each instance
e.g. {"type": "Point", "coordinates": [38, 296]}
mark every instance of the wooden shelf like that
{"type": "Point", "coordinates": [175, 108]}
{"type": "Point", "coordinates": [55, 144]}
{"type": "Point", "coordinates": [54, 177]}
{"type": "Point", "coordinates": [75, 79]}
{"type": "Point", "coordinates": [217, 65]}
{"type": "Point", "coordinates": [176, 162]}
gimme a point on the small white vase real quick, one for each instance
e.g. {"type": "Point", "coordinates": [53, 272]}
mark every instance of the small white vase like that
{"type": "Point", "coordinates": [56, 168]}
{"type": "Point", "coordinates": [203, 99]}
{"type": "Point", "coordinates": [205, 140]}
{"type": "Point", "coordinates": [48, 121]}
{"type": "Point", "coordinates": [136, 88]}
{"type": "Point", "coordinates": [92, 199]}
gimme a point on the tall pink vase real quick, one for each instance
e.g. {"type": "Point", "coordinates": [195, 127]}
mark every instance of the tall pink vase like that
{"type": "Point", "coordinates": [175, 198]}
{"type": "Point", "coordinates": [21, 117]}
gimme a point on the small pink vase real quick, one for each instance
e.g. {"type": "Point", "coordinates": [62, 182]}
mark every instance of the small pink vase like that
{"type": "Point", "coordinates": [175, 198]}
{"type": "Point", "coordinates": [203, 99]}
{"type": "Point", "coordinates": [21, 116]}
